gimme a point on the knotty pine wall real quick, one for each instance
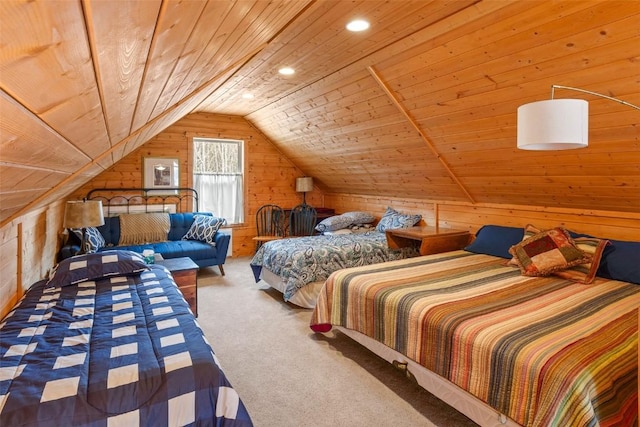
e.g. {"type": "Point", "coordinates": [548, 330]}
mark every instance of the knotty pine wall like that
{"type": "Point", "coordinates": [461, 215]}
{"type": "Point", "coordinates": [29, 244]}
{"type": "Point", "coordinates": [28, 249]}
{"type": "Point", "coordinates": [270, 177]}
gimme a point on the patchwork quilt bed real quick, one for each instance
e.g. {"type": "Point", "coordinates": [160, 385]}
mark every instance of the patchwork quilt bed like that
{"type": "Point", "coordinates": [544, 351]}
{"type": "Point", "coordinates": [122, 350]}
{"type": "Point", "coordinates": [303, 260]}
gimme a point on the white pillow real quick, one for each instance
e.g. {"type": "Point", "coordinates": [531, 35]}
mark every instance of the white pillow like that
{"type": "Point", "coordinates": [360, 218]}
{"type": "Point", "coordinates": [333, 223]}
{"type": "Point", "coordinates": [337, 232]}
{"type": "Point", "coordinates": [394, 219]}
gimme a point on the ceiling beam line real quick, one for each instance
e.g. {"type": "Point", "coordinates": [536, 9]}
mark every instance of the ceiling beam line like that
{"type": "Point", "coordinates": [147, 63]}
{"type": "Point", "coordinates": [206, 87]}
{"type": "Point", "coordinates": [21, 104]}
{"type": "Point", "coordinates": [415, 125]}
{"type": "Point", "coordinates": [93, 49]}
{"type": "Point", "coordinates": [371, 57]}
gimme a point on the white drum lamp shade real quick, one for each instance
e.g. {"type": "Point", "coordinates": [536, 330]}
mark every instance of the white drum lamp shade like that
{"type": "Point", "coordinates": [555, 124]}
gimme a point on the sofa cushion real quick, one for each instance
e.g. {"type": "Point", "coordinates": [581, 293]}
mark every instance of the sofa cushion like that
{"type": "Point", "coordinates": [193, 249]}
{"type": "Point", "coordinates": [110, 230]}
{"type": "Point", "coordinates": [201, 253]}
{"type": "Point", "coordinates": [143, 228]}
{"type": "Point", "coordinates": [181, 223]}
{"type": "Point", "coordinates": [93, 239]}
{"type": "Point", "coordinates": [204, 229]}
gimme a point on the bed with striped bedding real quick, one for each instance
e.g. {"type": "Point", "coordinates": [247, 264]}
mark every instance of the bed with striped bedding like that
{"type": "Point", "coordinates": [541, 350]}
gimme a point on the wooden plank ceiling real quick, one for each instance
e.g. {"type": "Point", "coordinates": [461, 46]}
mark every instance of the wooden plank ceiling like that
{"type": "Point", "coordinates": [421, 105]}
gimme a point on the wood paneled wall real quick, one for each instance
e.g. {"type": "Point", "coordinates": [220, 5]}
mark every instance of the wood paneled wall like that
{"type": "Point", "coordinates": [269, 175]}
{"type": "Point", "coordinates": [29, 244]}
{"type": "Point", "coordinates": [28, 249]}
{"type": "Point", "coordinates": [461, 215]}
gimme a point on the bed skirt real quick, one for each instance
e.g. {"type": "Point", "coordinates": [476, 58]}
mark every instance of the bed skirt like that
{"type": "Point", "coordinates": [305, 297]}
{"type": "Point", "coordinates": [472, 407]}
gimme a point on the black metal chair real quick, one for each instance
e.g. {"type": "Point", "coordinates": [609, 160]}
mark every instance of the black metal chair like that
{"type": "Point", "coordinates": [302, 220]}
{"type": "Point", "coordinates": [269, 224]}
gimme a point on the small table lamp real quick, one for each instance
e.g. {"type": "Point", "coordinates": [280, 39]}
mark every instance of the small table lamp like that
{"type": "Point", "coordinates": [304, 184]}
{"type": "Point", "coordinates": [83, 214]}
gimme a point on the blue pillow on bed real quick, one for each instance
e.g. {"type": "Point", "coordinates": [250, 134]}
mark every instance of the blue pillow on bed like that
{"type": "Point", "coordinates": [496, 240]}
{"type": "Point", "coordinates": [95, 266]}
{"type": "Point", "coordinates": [621, 261]}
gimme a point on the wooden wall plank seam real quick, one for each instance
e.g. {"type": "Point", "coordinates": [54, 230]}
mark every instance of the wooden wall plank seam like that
{"type": "Point", "coordinates": [422, 134]}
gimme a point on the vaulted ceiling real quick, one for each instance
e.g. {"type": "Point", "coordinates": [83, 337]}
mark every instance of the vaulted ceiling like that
{"type": "Point", "coordinates": [420, 105]}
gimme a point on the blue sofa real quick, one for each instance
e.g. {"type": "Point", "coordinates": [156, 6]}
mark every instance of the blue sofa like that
{"type": "Point", "coordinates": [201, 253]}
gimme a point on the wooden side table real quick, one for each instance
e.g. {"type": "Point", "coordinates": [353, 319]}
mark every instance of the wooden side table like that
{"type": "Point", "coordinates": [432, 240]}
{"type": "Point", "coordinates": [185, 273]}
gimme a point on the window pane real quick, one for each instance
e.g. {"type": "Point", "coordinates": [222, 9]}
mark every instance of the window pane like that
{"type": "Point", "coordinates": [218, 177]}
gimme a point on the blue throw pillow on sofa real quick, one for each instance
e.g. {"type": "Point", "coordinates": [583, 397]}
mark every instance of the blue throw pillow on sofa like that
{"type": "Point", "coordinates": [93, 239]}
{"type": "Point", "coordinates": [204, 229]}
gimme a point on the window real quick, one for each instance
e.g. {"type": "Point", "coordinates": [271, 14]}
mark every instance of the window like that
{"type": "Point", "coordinates": [218, 177]}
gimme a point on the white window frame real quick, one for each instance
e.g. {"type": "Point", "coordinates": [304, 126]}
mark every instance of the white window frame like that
{"type": "Point", "coordinates": [208, 185]}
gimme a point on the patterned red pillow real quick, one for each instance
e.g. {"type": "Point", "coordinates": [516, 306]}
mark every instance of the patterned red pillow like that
{"type": "Point", "coordinates": [547, 252]}
{"type": "Point", "coordinates": [585, 273]}
{"type": "Point", "coordinates": [529, 230]}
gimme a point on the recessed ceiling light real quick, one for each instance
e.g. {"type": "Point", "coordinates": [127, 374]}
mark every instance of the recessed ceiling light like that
{"type": "Point", "coordinates": [287, 71]}
{"type": "Point", "coordinates": [247, 95]}
{"type": "Point", "coordinates": [357, 25]}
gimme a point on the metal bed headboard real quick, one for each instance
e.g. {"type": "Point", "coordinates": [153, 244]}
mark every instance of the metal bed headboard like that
{"type": "Point", "coordinates": [184, 198]}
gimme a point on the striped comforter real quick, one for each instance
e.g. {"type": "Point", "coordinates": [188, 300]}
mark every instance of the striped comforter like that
{"type": "Point", "coordinates": [541, 350]}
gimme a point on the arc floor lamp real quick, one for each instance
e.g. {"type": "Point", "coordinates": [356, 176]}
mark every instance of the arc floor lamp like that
{"type": "Point", "coordinates": [557, 124]}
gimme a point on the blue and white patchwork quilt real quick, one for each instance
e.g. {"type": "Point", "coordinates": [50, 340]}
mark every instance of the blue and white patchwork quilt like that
{"type": "Point", "coordinates": [118, 351]}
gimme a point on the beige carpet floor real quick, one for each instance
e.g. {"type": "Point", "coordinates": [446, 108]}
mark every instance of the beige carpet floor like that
{"type": "Point", "coordinates": [288, 376]}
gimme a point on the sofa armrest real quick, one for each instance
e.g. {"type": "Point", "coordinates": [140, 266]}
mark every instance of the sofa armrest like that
{"type": "Point", "coordinates": [67, 251]}
{"type": "Point", "coordinates": [222, 246]}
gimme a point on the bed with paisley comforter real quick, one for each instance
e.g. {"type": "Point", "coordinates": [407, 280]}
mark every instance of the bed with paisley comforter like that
{"type": "Point", "coordinates": [298, 266]}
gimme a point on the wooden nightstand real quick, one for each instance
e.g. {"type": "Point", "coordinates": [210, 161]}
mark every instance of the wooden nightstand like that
{"type": "Point", "coordinates": [432, 240]}
{"type": "Point", "coordinates": [185, 273]}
